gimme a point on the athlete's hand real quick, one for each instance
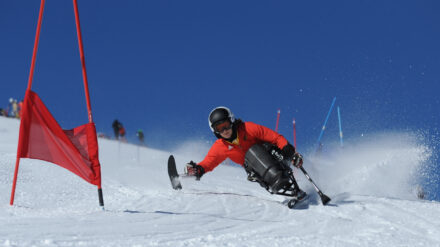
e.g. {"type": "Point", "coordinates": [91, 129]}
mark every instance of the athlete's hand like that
{"type": "Point", "coordinates": [297, 160]}
{"type": "Point", "coordinates": [192, 169]}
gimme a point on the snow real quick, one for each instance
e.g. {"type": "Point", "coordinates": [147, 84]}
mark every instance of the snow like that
{"type": "Point", "coordinates": [371, 183]}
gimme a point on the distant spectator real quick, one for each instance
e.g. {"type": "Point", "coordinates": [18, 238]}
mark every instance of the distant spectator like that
{"type": "Point", "coordinates": [140, 135]}
{"type": "Point", "coordinates": [14, 109]}
{"type": "Point", "coordinates": [420, 192]}
{"type": "Point", "coordinates": [122, 133]}
{"type": "Point", "coordinates": [20, 107]}
{"type": "Point", "coordinates": [116, 128]}
{"type": "Point", "coordinates": [103, 135]}
{"type": "Point", "coordinates": [2, 112]}
{"type": "Point", "coordinates": [9, 108]}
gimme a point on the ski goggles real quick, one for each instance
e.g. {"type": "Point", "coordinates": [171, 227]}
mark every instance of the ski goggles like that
{"type": "Point", "coordinates": [221, 127]}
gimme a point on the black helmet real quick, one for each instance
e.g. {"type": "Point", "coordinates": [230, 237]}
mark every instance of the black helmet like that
{"type": "Point", "coordinates": [219, 115]}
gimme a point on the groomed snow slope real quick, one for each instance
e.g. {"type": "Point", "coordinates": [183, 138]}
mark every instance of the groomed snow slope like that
{"type": "Point", "coordinates": [373, 203]}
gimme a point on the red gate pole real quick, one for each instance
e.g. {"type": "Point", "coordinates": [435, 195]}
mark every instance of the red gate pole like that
{"type": "Point", "coordinates": [294, 133]}
{"type": "Point", "coordinates": [37, 39]}
{"type": "Point", "coordinates": [86, 83]}
{"type": "Point", "coordinates": [83, 61]}
{"type": "Point", "coordinates": [31, 76]}
{"type": "Point", "coordinates": [278, 120]}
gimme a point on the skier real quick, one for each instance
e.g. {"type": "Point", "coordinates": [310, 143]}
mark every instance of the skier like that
{"type": "Point", "coordinates": [263, 153]}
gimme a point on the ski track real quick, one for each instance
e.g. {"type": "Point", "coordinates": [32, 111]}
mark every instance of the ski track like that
{"type": "Point", "coordinates": [56, 208]}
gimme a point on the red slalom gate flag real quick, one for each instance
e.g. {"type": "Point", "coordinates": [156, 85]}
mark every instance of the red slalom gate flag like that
{"type": "Point", "coordinates": [41, 137]}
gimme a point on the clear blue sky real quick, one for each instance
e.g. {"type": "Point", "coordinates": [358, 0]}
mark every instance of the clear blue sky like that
{"type": "Point", "coordinates": [163, 65]}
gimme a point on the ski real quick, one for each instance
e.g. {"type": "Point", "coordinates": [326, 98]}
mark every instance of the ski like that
{"type": "Point", "coordinates": [172, 173]}
{"type": "Point", "coordinates": [297, 204]}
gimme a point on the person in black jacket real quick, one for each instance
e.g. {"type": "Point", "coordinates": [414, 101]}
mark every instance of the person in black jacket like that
{"type": "Point", "coordinates": [117, 126]}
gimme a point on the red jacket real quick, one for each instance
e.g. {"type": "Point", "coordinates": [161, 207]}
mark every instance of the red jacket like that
{"type": "Point", "coordinates": [248, 134]}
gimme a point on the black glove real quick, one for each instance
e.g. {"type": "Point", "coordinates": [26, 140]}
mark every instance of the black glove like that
{"type": "Point", "coordinates": [290, 154]}
{"type": "Point", "coordinates": [192, 169]}
{"type": "Point", "coordinates": [288, 151]}
{"type": "Point", "coordinates": [297, 160]}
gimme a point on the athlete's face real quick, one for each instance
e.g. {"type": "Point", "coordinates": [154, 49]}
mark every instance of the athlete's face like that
{"type": "Point", "coordinates": [224, 129]}
{"type": "Point", "coordinates": [226, 133]}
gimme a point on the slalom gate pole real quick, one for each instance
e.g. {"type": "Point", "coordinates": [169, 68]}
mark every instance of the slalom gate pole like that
{"type": "Point", "coordinates": [14, 183]}
{"type": "Point", "coordinates": [83, 61]}
{"type": "Point", "coordinates": [31, 76]}
{"type": "Point", "coordinates": [86, 83]}
{"type": "Point", "coordinates": [101, 197]}
{"type": "Point", "coordinates": [37, 39]}
{"type": "Point", "coordinates": [325, 199]}
{"type": "Point", "coordinates": [278, 120]}
{"type": "Point", "coordinates": [294, 133]}
{"type": "Point", "coordinates": [325, 123]}
{"type": "Point", "coordinates": [340, 129]}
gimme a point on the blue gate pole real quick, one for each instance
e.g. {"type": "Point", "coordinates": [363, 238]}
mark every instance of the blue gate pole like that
{"type": "Point", "coordinates": [325, 123]}
{"type": "Point", "coordinates": [341, 136]}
